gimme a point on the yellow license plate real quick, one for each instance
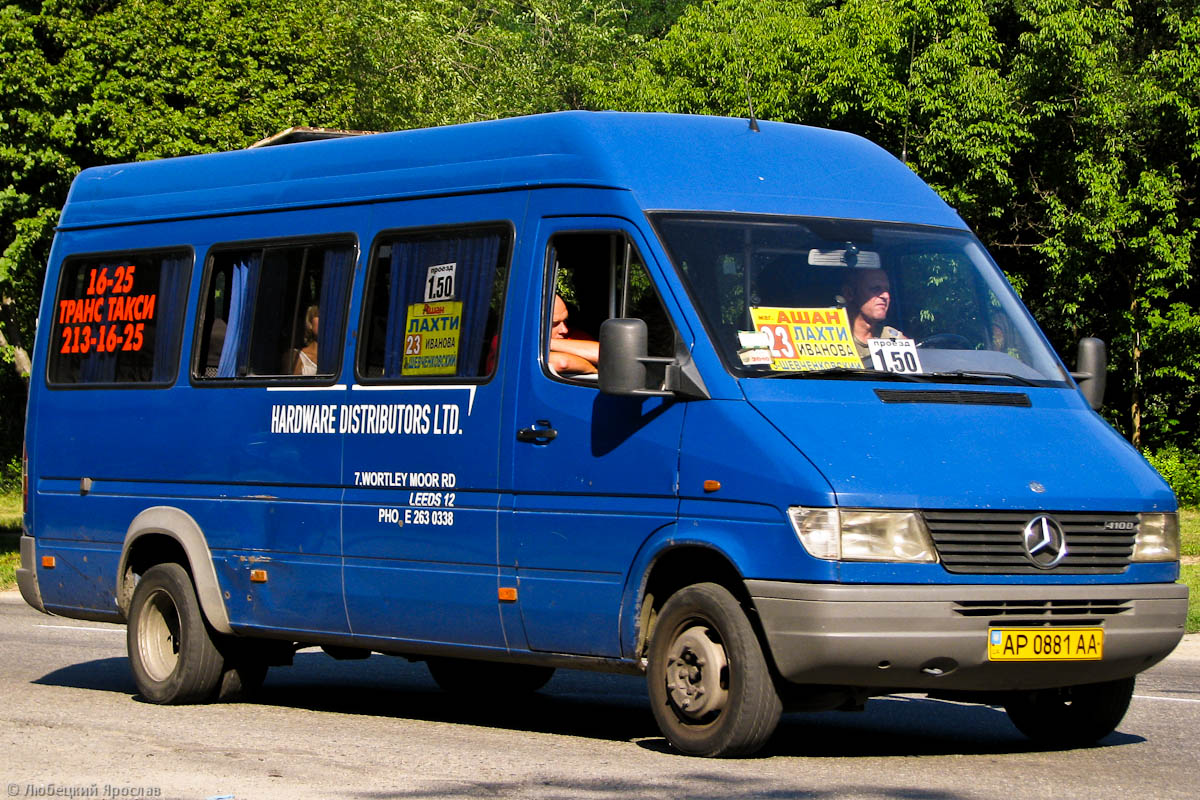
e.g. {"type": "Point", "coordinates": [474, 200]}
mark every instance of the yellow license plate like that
{"type": "Point", "coordinates": [1045, 644]}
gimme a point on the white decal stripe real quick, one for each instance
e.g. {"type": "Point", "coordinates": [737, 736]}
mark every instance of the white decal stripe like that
{"type": "Point", "coordinates": [337, 387]}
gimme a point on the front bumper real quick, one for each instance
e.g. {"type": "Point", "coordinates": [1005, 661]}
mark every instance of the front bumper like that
{"type": "Point", "coordinates": [926, 638]}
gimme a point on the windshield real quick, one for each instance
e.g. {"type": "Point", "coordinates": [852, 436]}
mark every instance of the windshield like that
{"type": "Point", "coordinates": [846, 299]}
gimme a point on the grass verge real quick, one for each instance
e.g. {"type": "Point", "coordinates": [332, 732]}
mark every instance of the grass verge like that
{"type": "Point", "coordinates": [1190, 574]}
{"type": "Point", "coordinates": [1189, 535]}
{"type": "Point", "coordinates": [10, 538]}
{"type": "Point", "coordinates": [1189, 531]}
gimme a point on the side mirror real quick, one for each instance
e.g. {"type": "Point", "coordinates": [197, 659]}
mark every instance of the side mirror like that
{"type": "Point", "coordinates": [623, 361]}
{"type": "Point", "coordinates": [622, 348]}
{"type": "Point", "coordinates": [1092, 371]}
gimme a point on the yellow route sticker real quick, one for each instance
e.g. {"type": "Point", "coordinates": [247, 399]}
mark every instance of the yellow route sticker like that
{"type": "Point", "coordinates": [807, 338]}
{"type": "Point", "coordinates": [431, 338]}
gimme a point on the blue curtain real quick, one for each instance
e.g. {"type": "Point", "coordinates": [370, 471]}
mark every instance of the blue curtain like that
{"type": "Point", "coordinates": [338, 267]}
{"type": "Point", "coordinates": [405, 255]}
{"type": "Point", "coordinates": [476, 256]}
{"type": "Point", "coordinates": [168, 313]}
{"type": "Point", "coordinates": [481, 254]}
{"type": "Point", "coordinates": [241, 309]}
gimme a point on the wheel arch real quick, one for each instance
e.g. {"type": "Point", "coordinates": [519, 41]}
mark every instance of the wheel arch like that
{"type": "Point", "coordinates": [665, 567]}
{"type": "Point", "coordinates": [166, 534]}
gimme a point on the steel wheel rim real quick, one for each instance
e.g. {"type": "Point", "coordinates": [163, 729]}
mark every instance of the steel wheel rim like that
{"type": "Point", "coordinates": [697, 672]}
{"type": "Point", "coordinates": [158, 636]}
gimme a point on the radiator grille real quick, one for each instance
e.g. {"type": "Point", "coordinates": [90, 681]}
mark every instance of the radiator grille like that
{"type": "Point", "coordinates": [990, 542]}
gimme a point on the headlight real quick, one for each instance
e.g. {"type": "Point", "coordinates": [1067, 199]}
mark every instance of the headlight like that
{"type": "Point", "coordinates": [1157, 538]}
{"type": "Point", "coordinates": [852, 534]}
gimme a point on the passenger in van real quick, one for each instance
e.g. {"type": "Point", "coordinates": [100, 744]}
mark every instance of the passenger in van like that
{"type": "Point", "coordinates": [868, 295]}
{"type": "Point", "coordinates": [1002, 334]}
{"type": "Point", "coordinates": [569, 353]}
{"type": "Point", "coordinates": [305, 360]}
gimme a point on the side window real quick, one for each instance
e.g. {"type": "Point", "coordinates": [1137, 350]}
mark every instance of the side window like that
{"type": "Point", "coordinates": [275, 311]}
{"type": "Point", "coordinates": [598, 276]}
{"type": "Point", "coordinates": [118, 319]}
{"type": "Point", "coordinates": [433, 304]}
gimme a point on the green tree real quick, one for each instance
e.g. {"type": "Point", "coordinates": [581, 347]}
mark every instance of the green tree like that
{"type": "Point", "coordinates": [1064, 131]}
{"type": "Point", "coordinates": [417, 63]}
{"type": "Point", "coordinates": [1104, 219]}
{"type": "Point", "coordinates": [88, 83]}
{"type": "Point", "coordinates": [84, 83]}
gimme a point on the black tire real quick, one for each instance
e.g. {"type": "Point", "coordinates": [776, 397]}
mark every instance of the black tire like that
{"type": "Point", "coordinates": [172, 650]}
{"type": "Point", "coordinates": [710, 689]}
{"type": "Point", "coordinates": [495, 681]}
{"type": "Point", "coordinates": [1073, 716]}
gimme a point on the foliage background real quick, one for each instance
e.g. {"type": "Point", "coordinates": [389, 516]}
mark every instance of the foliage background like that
{"type": "Point", "coordinates": [1066, 132]}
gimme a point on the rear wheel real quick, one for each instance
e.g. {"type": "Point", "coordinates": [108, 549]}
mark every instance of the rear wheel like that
{"type": "Point", "coordinates": [487, 679]}
{"type": "Point", "coordinates": [1072, 716]}
{"type": "Point", "coordinates": [172, 651]}
{"type": "Point", "coordinates": [710, 689]}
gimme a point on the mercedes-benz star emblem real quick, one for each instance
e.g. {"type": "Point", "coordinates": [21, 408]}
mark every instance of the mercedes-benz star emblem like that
{"type": "Point", "coordinates": [1045, 543]}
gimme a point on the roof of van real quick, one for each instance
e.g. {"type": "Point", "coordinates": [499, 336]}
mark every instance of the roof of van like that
{"type": "Point", "coordinates": [668, 162]}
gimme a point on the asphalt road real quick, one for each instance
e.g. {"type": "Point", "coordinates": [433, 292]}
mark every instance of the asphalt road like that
{"type": "Point", "coordinates": [71, 725]}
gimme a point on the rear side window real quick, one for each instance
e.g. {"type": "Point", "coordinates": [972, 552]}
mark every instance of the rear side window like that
{"type": "Point", "coordinates": [433, 304]}
{"type": "Point", "coordinates": [277, 311]}
{"type": "Point", "coordinates": [118, 319]}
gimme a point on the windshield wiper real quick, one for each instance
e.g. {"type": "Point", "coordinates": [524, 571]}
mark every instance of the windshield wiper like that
{"type": "Point", "coordinates": [978, 373]}
{"type": "Point", "coordinates": [843, 372]}
{"type": "Point", "coordinates": [880, 375]}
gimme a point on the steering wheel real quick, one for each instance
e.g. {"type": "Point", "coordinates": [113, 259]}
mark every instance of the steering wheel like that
{"type": "Point", "coordinates": [945, 341]}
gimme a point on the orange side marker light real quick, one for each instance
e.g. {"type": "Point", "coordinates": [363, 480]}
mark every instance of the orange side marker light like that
{"type": "Point", "coordinates": [711, 485]}
{"type": "Point", "coordinates": [48, 562]}
{"type": "Point", "coordinates": [258, 576]}
{"type": "Point", "coordinates": [507, 594]}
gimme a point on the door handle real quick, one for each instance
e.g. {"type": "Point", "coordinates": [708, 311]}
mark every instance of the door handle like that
{"type": "Point", "coordinates": [542, 433]}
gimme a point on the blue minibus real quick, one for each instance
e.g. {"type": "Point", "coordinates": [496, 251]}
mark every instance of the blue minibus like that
{"type": "Point", "coordinates": [747, 410]}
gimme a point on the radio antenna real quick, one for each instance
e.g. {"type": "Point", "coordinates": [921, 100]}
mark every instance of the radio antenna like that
{"type": "Point", "coordinates": [737, 41]}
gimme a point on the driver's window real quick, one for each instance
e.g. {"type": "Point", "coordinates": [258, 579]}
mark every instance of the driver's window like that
{"type": "Point", "coordinates": [597, 276]}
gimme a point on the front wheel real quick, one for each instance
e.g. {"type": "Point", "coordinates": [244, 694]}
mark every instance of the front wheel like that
{"type": "Point", "coordinates": [172, 651]}
{"type": "Point", "coordinates": [1073, 716]}
{"type": "Point", "coordinates": [710, 689]}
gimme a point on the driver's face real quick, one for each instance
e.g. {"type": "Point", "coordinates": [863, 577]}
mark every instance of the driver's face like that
{"type": "Point", "coordinates": [873, 293]}
{"type": "Point", "coordinates": [558, 327]}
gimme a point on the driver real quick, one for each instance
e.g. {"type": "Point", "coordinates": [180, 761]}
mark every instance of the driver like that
{"type": "Point", "coordinates": [568, 352]}
{"type": "Point", "coordinates": [868, 295]}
